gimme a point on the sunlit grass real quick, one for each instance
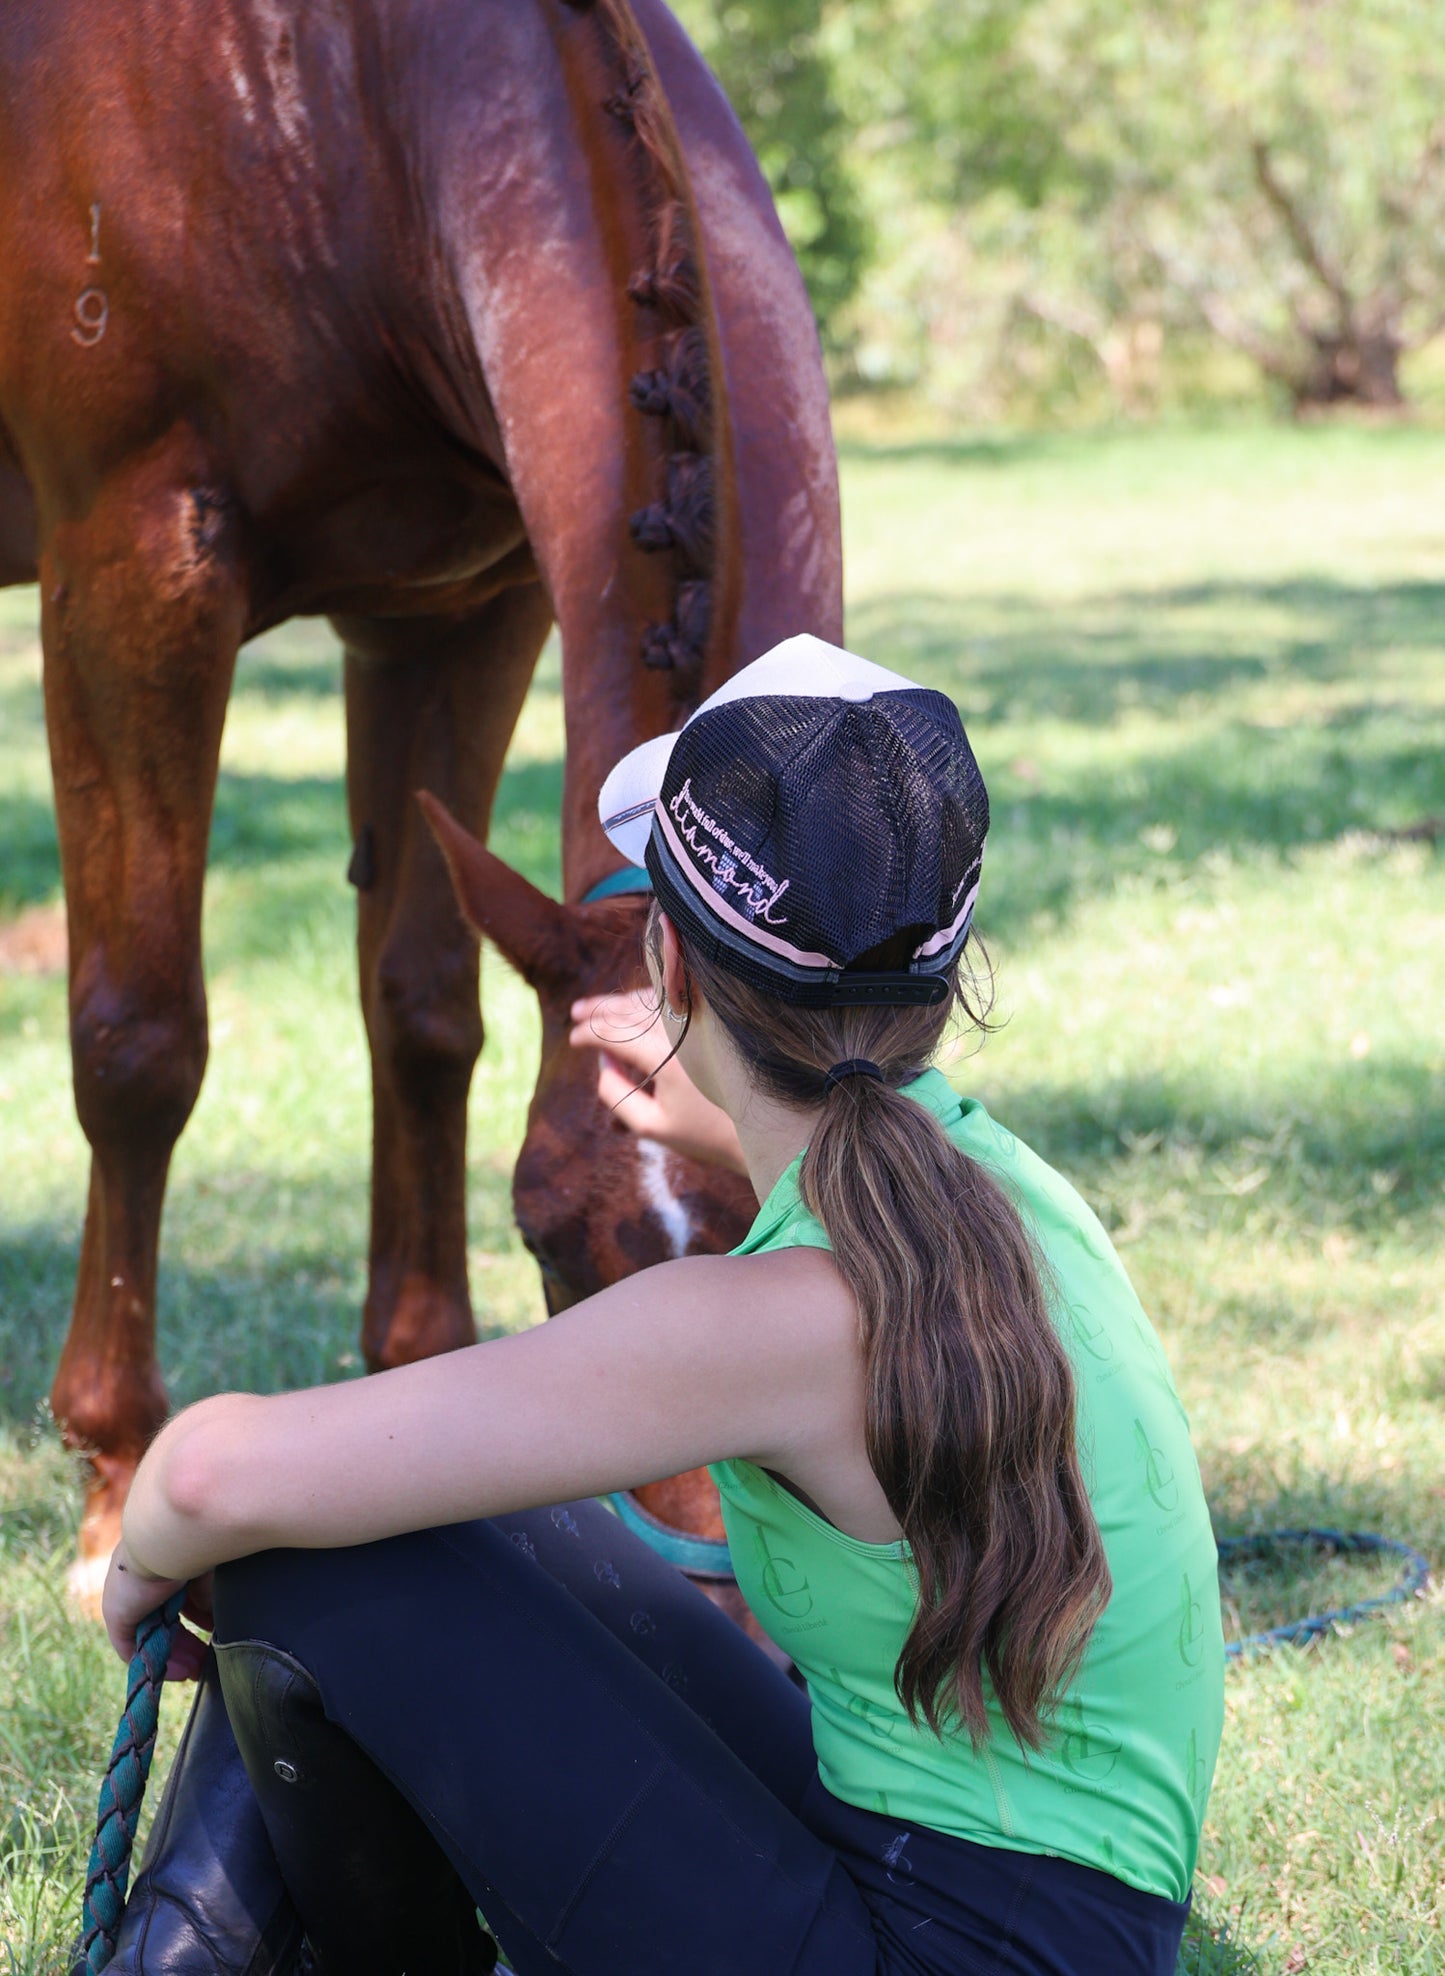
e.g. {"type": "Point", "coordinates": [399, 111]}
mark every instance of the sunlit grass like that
{"type": "Point", "coordinates": [1205, 675]}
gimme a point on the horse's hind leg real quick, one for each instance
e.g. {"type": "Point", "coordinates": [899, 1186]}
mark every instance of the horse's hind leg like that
{"type": "Point", "coordinates": [429, 705]}
{"type": "Point", "coordinates": [142, 611]}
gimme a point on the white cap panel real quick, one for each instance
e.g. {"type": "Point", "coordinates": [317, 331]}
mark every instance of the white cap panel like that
{"type": "Point", "coordinates": [808, 668]}
{"type": "Point", "coordinates": [626, 801]}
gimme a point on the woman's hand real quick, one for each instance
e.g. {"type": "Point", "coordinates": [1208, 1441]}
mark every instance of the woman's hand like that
{"type": "Point", "coordinates": [132, 1592]}
{"type": "Point", "coordinates": [649, 1090]}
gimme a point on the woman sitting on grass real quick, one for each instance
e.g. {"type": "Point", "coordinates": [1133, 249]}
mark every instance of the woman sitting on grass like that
{"type": "Point", "coordinates": [958, 1487]}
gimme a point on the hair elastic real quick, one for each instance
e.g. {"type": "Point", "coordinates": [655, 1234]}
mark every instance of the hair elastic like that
{"type": "Point", "coordinates": [852, 1067]}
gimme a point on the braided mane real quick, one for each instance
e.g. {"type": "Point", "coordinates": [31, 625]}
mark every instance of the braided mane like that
{"type": "Point", "coordinates": [670, 293]}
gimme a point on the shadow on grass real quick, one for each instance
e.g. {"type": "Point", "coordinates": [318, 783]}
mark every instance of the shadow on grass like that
{"type": "Point", "coordinates": [283, 1318]}
{"type": "Point", "coordinates": [302, 659]}
{"type": "Point", "coordinates": [1368, 1147]}
{"type": "Point", "coordinates": [1234, 794]}
{"type": "Point", "coordinates": [275, 1304]}
{"type": "Point", "coordinates": [1252, 1489]}
{"type": "Point", "coordinates": [1240, 793]}
{"type": "Point", "coordinates": [264, 823]}
{"type": "Point", "coordinates": [1086, 661]}
{"type": "Point", "coordinates": [269, 819]}
{"type": "Point", "coordinates": [1217, 783]}
{"type": "Point", "coordinates": [30, 871]}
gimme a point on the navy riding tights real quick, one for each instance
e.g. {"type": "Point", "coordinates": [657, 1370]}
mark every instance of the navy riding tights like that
{"type": "Point", "coordinates": [619, 1779]}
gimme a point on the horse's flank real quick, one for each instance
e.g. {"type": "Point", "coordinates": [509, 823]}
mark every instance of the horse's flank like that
{"type": "Point", "coordinates": [393, 265]}
{"type": "Point", "coordinates": [445, 318]}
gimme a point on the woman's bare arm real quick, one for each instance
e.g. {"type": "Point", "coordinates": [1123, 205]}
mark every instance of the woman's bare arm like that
{"type": "Point", "coordinates": [689, 1362]}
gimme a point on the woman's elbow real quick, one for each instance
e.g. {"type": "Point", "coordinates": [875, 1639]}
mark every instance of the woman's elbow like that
{"type": "Point", "coordinates": [201, 1480]}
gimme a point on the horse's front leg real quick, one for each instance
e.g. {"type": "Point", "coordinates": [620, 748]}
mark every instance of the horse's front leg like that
{"type": "Point", "coordinates": [143, 607]}
{"type": "Point", "coordinates": [429, 705]}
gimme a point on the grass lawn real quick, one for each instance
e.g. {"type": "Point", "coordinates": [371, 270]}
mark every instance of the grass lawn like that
{"type": "Point", "coordinates": [1205, 676]}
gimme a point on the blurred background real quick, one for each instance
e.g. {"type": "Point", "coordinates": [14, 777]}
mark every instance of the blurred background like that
{"type": "Point", "coordinates": [1046, 210]}
{"type": "Point", "coordinates": [1133, 317]}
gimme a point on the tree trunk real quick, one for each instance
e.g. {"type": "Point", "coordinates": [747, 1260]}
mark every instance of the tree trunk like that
{"type": "Point", "coordinates": [1353, 367]}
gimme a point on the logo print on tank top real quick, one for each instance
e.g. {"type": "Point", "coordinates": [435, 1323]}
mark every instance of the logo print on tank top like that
{"type": "Point", "coordinates": [1091, 1335]}
{"type": "Point", "coordinates": [1158, 1475]}
{"type": "Point", "coordinates": [1196, 1774]}
{"type": "Point", "coordinates": [1085, 1239]}
{"type": "Point", "coordinates": [784, 1586]}
{"type": "Point", "coordinates": [1088, 1752]}
{"type": "Point", "coordinates": [1190, 1639]}
{"type": "Point", "coordinates": [869, 1713]}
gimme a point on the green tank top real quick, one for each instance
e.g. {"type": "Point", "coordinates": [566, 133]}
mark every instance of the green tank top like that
{"type": "Point", "coordinates": [1123, 1781]}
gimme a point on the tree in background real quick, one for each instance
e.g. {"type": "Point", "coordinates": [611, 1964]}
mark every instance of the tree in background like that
{"type": "Point", "coordinates": [771, 58]}
{"type": "Point", "coordinates": [1034, 192]}
{"type": "Point", "coordinates": [1280, 165]}
{"type": "Point", "coordinates": [1271, 170]}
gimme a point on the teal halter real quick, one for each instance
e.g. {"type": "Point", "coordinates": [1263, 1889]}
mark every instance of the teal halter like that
{"type": "Point", "coordinates": [631, 878]}
{"type": "Point", "coordinates": [704, 1557]}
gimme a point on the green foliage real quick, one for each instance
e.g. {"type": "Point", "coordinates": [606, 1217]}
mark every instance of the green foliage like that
{"type": "Point", "coordinates": [956, 88]}
{"type": "Point", "coordinates": [1275, 171]}
{"type": "Point", "coordinates": [1203, 675]}
{"type": "Point", "coordinates": [1041, 198]}
{"type": "Point", "coordinates": [771, 59]}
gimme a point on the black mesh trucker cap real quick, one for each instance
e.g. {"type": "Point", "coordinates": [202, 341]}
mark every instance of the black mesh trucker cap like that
{"type": "Point", "coordinates": [816, 828]}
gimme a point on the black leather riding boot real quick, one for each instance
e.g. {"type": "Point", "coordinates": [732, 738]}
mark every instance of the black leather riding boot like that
{"type": "Point", "coordinates": [209, 1899]}
{"type": "Point", "coordinates": [376, 1894]}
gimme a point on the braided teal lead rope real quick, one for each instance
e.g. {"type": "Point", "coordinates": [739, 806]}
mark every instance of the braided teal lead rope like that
{"type": "Point", "coordinates": [123, 1785]}
{"type": "Point", "coordinates": [1414, 1577]}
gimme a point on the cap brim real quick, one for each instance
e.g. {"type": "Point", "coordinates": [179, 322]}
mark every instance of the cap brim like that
{"type": "Point", "coordinates": [629, 796]}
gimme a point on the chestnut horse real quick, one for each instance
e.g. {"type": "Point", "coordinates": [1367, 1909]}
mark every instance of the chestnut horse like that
{"type": "Point", "coordinates": [447, 319]}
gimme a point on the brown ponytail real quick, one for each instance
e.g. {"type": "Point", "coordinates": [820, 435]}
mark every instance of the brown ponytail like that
{"type": "Point", "coordinates": [970, 1395]}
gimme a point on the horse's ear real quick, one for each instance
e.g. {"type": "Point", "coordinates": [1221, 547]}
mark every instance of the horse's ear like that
{"type": "Point", "coordinates": [527, 928]}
